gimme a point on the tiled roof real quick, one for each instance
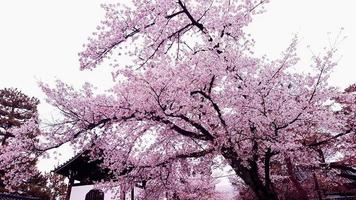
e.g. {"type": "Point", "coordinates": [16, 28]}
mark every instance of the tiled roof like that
{"type": "Point", "coordinates": [16, 197]}
{"type": "Point", "coordinates": [68, 161]}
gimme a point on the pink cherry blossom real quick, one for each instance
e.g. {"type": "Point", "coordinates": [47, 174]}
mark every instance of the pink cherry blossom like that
{"type": "Point", "coordinates": [197, 94]}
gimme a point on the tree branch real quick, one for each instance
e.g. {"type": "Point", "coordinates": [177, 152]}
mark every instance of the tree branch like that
{"type": "Point", "coordinates": [196, 125]}
{"type": "Point", "coordinates": [331, 138]}
{"type": "Point", "coordinates": [191, 18]}
{"type": "Point", "coordinates": [87, 128]}
{"type": "Point", "coordinates": [215, 106]}
{"type": "Point", "coordinates": [205, 137]}
{"type": "Point", "coordinates": [174, 14]}
{"type": "Point", "coordinates": [196, 154]}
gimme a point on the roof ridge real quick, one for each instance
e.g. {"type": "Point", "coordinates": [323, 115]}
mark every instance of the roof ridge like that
{"type": "Point", "coordinates": [19, 196]}
{"type": "Point", "coordinates": [80, 153]}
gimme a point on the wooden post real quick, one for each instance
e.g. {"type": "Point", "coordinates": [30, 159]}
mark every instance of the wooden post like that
{"type": "Point", "coordinates": [122, 192]}
{"type": "Point", "coordinates": [70, 184]}
{"type": "Point", "coordinates": [133, 193]}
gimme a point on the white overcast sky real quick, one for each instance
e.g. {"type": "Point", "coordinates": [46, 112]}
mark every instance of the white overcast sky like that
{"type": "Point", "coordinates": [40, 39]}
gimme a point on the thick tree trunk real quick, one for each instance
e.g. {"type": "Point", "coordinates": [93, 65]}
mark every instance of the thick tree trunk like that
{"type": "Point", "coordinates": [303, 194]}
{"type": "Point", "coordinates": [249, 175]}
{"type": "Point", "coordinates": [260, 190]}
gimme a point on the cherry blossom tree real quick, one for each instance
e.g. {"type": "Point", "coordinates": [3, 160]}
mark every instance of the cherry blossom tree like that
{"type": "Point", "coordinates": [196, 92]}
{"type": "Point", "coordinates": [194, 98]}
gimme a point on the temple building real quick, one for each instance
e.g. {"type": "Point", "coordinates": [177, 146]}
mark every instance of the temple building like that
{"type": "Point", "coordinates": [82, 173]}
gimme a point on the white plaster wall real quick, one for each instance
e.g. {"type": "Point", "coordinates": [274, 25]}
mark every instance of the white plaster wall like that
{"type": "Point", "coordinates": [79, 192]}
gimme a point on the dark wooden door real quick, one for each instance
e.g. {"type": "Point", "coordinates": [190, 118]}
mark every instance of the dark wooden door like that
{"type": "Point", "coordinates": [95, 194]}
